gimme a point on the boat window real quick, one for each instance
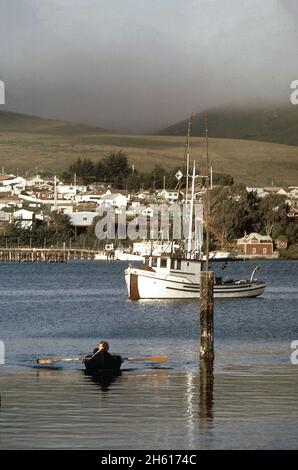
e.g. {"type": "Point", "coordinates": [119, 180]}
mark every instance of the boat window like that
{"type": "Point", "coordinates": [178, 264]}
{"type": "Point", "coordinates": [163, 262]}
{"type": "Point", "coordinates": [172, 264]}
{"type": "Point", "coordinates": [154, 262]}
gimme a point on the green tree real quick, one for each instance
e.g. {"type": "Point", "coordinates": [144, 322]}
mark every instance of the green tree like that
{"type": "Point", "coordinates": [292, 233]}
{"type": "Point", "coordinates": [233, 211]}
{"type": "Point", "coordinates": [222, 179]}
{"type": "Point", "coordinates": [60, 225]}
{"type": "Point", "coordinates": [117, 168]}
{"type": "Point", "coordinates": [113, 168]}
{"type": "Point", "coordinates": [84, 169]}
{"type": "Point", "coordinates": [154, 179]}
{"type": "Point", "coordinates": [273, 210]}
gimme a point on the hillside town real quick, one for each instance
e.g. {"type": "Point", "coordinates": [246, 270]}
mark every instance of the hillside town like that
{"type": "Point", "coordinates": [27, 202]}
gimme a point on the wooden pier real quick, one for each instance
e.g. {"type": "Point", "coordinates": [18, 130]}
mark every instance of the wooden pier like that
{"type": "Point", "coordinates": [44, 255]}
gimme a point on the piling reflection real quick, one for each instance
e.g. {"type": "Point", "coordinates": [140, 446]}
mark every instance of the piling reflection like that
{"type": "Point", "coordinates": [206, 389]}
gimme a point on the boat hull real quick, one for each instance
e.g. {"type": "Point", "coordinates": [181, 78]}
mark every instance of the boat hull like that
{"type": "Point", "coordinates": [150, 285]}
{"type": "Point", "coordinates": [101, 366]}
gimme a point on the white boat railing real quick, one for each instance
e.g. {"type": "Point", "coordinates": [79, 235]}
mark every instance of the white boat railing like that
{"type": "Point", "coordinates": [253, 273]}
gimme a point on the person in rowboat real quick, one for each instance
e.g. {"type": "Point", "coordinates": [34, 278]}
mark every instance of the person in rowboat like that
{"type": "Point", "coordinates": [102, 360]}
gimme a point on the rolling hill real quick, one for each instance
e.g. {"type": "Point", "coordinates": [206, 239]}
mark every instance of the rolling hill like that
{"type": "Point", "coordinates": [27, 142]}
{"type": "Point", "coordinates": [277, 125]}
{"type": "Point", "coordinates": [23, 123]}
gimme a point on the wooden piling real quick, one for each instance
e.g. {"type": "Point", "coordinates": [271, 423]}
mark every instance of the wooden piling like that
{"type": "Point", "coordinates": [206, 315]}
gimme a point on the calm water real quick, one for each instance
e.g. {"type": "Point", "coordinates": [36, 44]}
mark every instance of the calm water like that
{"type": "Point", "coordinates": [250, 401]}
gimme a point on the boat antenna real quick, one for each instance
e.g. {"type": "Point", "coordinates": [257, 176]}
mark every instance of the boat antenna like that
{"type": "Point", "coordinates": [207, 217]}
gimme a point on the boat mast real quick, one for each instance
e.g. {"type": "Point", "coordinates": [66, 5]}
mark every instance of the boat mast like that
{"type": "Point", "coordinates": [189, 247]}
{"type": "Point", "coordinates": [207, 217]}
{"type": "Point", "coordinates": [187, 157]}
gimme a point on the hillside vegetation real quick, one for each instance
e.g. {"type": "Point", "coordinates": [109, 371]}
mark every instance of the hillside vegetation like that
{"type": "Point", "coordinates": [277, 125]}
{"type": "Point", "coordinates": [27, 142]}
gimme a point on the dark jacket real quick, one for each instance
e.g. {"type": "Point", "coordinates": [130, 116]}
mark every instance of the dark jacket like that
{"type": "Point", "coordinates": [102, 361]}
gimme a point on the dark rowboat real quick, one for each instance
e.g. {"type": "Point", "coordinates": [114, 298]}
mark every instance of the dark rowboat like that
{"type": "Point", "coordinates": [102, 362]}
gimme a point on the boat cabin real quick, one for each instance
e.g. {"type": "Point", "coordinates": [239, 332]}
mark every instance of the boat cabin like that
{"type": "Point", "coordinates": [174, 265]}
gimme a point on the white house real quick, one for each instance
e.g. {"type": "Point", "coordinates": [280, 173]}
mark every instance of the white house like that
{"type": "Point", "coordinates": [113, 200]}
{"type": "Point", "coordinates": [293, 193]}
{"type": "Point", "coordinates": [169, 195]}
{"type": "Point", "coordinates": [63, 207]}
{"type": "Point", "coordinates": [96, 198]}
{"type": "Point", "coordinates": [260, 192]}
{"type": "Point", "coordinates": [24, 217]}
{"type": "Point", "coordinates": [16, 180]}
{"type": "Point", "coordinates": [293, 197]}
{"type": "Point", "coordinates": [69, 191]}
{"type": "Point", "coordinates": [5, 189]}
{"type": "Point", "coordinates": [34, 180]}
{"type": "Point", "coordinates": [6, 178]}
{"type": "Point", "coordinates": [10, 203]}
{"type": "Point", "coordinates": [12, 184]}
{"type": "Point", "coordinates": [282, 192]}
{"type": "Point", "coordinates": [5, 216]}
{"type": "Point", "coordinates": [143, 195]}
{"type": "Point", "coordinates": [82, 219]}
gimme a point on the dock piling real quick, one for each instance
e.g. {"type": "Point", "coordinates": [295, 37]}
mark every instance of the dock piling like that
{"type": "Point", "coordinates": [44, 255]}
{"type": "Point", "coordinates": [207, 315]}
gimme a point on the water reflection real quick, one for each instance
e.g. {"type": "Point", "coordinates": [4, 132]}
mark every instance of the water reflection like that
{"type": "Point", "coordinates": [103, 380]}
{"type": "Point", "coordinates": [243, 406]}
{"type": "Point", "coordinates": [206, 388]}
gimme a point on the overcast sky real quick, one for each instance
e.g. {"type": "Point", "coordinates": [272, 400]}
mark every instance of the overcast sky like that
{"type": "Point", "coordinates": [139, 65]}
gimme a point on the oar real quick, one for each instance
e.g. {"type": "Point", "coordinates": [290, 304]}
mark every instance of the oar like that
{"type": "Point", "coordinates": [51, 360]}
{"type": "Point", "coordinates": [147, 358]}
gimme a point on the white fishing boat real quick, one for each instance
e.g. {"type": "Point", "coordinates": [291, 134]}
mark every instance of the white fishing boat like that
{"type": "Point", "coordinates": [171, 278]}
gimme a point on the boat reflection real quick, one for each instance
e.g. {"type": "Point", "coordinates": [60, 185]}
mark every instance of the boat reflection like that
{"type": "Point", "coordinates": [104, 379]}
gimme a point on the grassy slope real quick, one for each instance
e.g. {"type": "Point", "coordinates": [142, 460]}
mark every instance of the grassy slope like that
{"type": "Point", "coordinates": [27, 142]}
{"type": "Point", "coordinates": [279, 125]}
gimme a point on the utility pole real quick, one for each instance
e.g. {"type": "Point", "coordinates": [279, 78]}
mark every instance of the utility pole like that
{"type": "Point", "coordinates": [55, 193]}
